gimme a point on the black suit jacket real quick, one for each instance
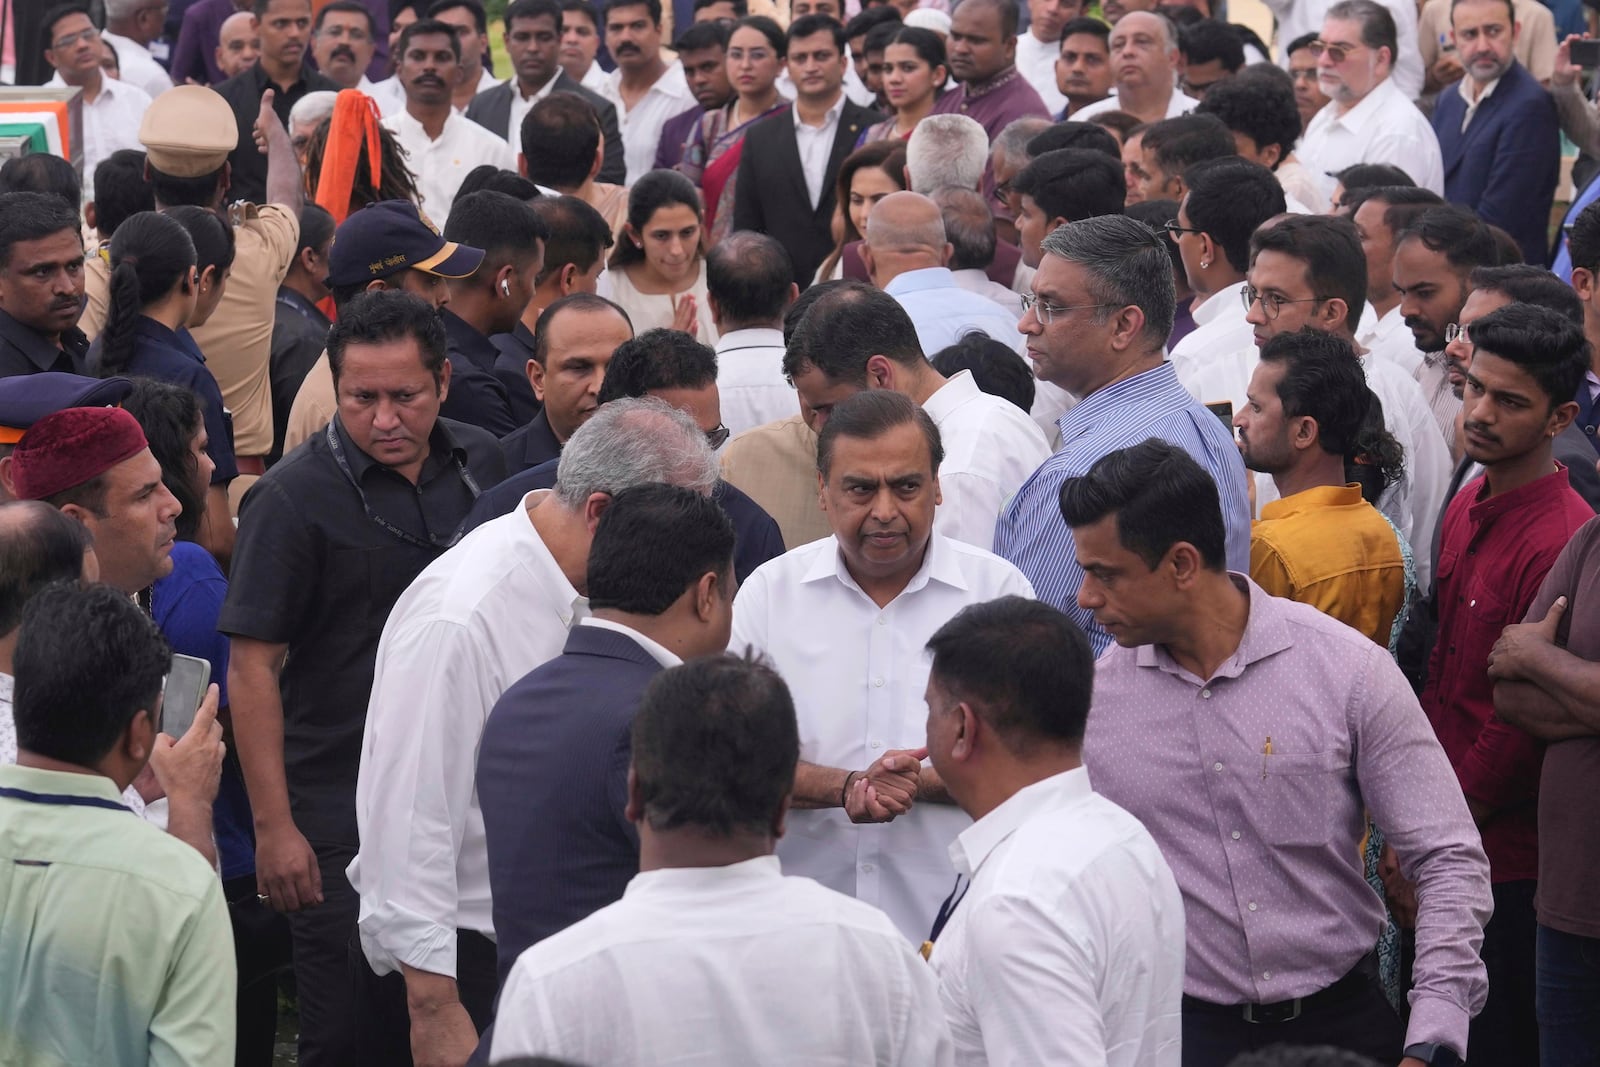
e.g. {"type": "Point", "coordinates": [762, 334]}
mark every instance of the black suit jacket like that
{"type": "Point", "coordinates": [771, 194]}
{"type": "Point", "coordinates": [491, 109]}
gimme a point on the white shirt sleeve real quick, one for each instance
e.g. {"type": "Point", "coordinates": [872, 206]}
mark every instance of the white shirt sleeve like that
{"type": "Point", "coordinates": [1416, 153]}
{"type": "Point", "coordinates": [413, 792]}
{"type": "Point", "coordinates": [969, 508]}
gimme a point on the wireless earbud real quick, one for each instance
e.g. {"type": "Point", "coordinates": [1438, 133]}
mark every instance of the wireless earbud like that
{"type": "Point", "coordinates": [505, 287]}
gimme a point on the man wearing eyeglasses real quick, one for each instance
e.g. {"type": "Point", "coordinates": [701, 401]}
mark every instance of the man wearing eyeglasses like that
{"type": "Point", "coordinates": [1369, 118]}
{"type": "Point", "coordinates": [112, 109]}
{"type": "Point", "coordinates": [1302, 19]}
{"type": "Point", "coordinates": [1097, 323]}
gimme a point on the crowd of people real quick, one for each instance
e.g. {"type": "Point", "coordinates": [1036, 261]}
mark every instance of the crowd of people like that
{"type": "Point", "coordinates": [990, 531]}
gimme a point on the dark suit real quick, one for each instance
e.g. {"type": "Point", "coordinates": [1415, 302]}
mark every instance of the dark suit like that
{"type": "Point", "coordinates": [476, 395]}
{"type": "Point", "coordinates": [530, 445]}
{"type": "Point", "coordinates": [771, 196]}
{"type": "Point", "coordinates": [1505, 165]}
{"type": "Point", "coordinates": [511, 367]}
{"type": "Point", "coordinates": [553, 785]}
{"type": "Point", "coordinates": [491, 109]}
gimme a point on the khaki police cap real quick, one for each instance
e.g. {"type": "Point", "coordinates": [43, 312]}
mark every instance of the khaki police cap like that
{"type": "Point", "coordinates": [188, 131]}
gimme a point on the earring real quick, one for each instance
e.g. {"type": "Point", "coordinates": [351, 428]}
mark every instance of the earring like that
{"type": "Point", "coordinates": [1205, 264]}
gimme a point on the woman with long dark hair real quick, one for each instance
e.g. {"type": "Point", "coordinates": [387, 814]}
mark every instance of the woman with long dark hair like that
{"type": "Point", "coordinates": [658, 267]}
{"type": "Point", "coordinates": [914, 75]}
{"type": "Point", "coordinates": [168, 273]}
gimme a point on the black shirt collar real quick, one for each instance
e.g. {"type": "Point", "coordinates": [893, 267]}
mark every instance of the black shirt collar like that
{"type": "Point", "coordinates": [465, 339]}
{"type": "Point", "coordinates": [38, 349]}
{"type": "Point", "coordinates": [442, 449]}
{"type": "Point", "coordinates": [541, 443]}
{"type": "Point", "coordinates": [300, 305]}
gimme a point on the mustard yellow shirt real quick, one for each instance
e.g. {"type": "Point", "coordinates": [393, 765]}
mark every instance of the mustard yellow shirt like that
{"type": "Point", "coordinates": [1329, 548]}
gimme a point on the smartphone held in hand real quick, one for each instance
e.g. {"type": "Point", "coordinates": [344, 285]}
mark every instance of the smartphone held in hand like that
{"type": "Point", "coordinates": [186, 687]}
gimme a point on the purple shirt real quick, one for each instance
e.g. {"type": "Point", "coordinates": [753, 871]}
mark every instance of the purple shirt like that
{"type": "Point", "coordinates": [1266, 848]}
{"type": "Point", "coordinates": [195, 54]}
{"type": "Point", "coordinates": [996, 103]}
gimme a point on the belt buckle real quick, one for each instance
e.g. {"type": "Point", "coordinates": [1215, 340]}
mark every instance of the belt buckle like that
{"type": "Point", "coordinates": [1282, 1012]}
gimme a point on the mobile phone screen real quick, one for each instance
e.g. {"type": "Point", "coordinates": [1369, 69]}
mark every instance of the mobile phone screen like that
{"type": "Point", "coordinates": [1586, 54]}
{"type": "Point", "coordinates": [186, 687]}
{"type": "Point", "coordinates": [1223, 409]}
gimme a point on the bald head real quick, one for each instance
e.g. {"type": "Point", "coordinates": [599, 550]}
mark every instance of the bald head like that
{"type": "Point", "coordinates": [238, 43]}
{"type": "Point", "coordinates": [905, 231]}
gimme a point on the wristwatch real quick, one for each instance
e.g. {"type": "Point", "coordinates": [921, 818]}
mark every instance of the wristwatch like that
{"type": "Point", "coordinates": [1435, 1054]}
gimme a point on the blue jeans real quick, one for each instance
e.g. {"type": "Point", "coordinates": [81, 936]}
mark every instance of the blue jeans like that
{"type": "Point", "coordinates": [1568, 999]}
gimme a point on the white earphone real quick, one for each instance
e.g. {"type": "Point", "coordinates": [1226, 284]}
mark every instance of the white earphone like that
{"type": "Point", "coordinates": [505, 287]}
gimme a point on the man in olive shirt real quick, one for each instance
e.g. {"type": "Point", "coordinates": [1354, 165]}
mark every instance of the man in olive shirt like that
{"type": "Point", "coordinates": [41, 285]}
{"type": "Point", "coordinates": [328, 540]}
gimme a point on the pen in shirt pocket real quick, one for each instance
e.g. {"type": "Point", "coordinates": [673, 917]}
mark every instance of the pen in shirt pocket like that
{"type": "Point", "coordinates": [1266, 750]}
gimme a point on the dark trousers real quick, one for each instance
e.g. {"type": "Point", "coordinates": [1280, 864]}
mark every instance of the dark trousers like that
{"type": "Point", "coordinates": [1365, 1023]}
{"type": "Point", "coordinates": [385, 1022]}
{"type": "Point", "coordinates": [261, 951]}
{"type": "Point", "coordinates": [1507, 1030]}
{"type": "Point", "coordinates": [329, 1032]}
{"type": "Point", "coordinates": [1568, 999]}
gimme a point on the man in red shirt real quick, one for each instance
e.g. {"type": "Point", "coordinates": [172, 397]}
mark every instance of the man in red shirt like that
{"type": "Point", "coordinates": [1500, 536]}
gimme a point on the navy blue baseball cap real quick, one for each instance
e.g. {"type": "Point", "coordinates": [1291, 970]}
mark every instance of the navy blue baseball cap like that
{"type": "Point", "coordinates": [391, 236]}
{"type": "Point", "coordinates": [27, 398]}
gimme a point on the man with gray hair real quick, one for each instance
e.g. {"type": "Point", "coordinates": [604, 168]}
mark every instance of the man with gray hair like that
{"type": "Point", "coordinates": [970, 228]}
{"type": "Point", "coordinates": [1008, 155]}
{"type": "Point", "coordinates": [750, 287]}
{"type": "Point", "coordinates": [946, 150]}
{"type": "Point", "coordinates": [1097, 325]}
{"type": "Point", "coordinates": [1368, 118]}
{"type": "Point", "coordinates": [908, 256]}
{"type": "Point", "coordinates": [1144, 52]}
{"type": "Point", "coordinates": [130, 27]}
{"type": "Point", "coordinates": [1303, 18]}
{"type": "Point", "coordinates": [477, 619]}
{"type": "Point", "coordinates": [309, 112]}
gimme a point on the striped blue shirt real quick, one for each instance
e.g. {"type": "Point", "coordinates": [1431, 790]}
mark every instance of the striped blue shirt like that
{"type": "Point", "coordinates": [1031, 532]}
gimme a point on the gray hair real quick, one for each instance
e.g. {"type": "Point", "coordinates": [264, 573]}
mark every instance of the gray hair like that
{"type": "Point", "coordinates": [946, 150]}
{"type": "Point", "coordinates": [968, 226]}
{"type": "Point", "coordinates": [1011, 145]}
{"type": "Point", "coordinates": [1127, 264]}
{"type": "Point", "coordinates": [1377, 24]}
{"type": "Point", "coordinates": [634, 441]}
{"type": "Point", "coordinates": [311, 109]}
{"type": "Point", "coordinates": [118, 9]}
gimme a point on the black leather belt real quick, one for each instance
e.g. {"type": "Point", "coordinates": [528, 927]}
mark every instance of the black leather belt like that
{"type": "Point", "coordinates": [1347, 988]}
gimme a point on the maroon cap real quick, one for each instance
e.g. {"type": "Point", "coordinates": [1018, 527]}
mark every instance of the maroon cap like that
{"type": "Point", "coordinates": [66, 449]}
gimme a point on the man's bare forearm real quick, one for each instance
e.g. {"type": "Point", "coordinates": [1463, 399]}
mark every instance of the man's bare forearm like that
{"type": "Point", "coordinates": [283, 170]}
{"type": "Point", "coordinates": [258, 727]}
{"type": "Point", "coordinates": [816, 786]}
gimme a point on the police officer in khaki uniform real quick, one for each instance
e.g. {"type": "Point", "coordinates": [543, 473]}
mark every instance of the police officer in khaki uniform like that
{"type": "Point", "coordinates": [188, 133]}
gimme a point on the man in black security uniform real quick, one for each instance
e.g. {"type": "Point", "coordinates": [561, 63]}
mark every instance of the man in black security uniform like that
{"type": "Point", "coordinates": [41, 285]}
{"type": "Point", "coordinates": [328, 540]}
{"type": "Point", "coordinates": [490, 300]}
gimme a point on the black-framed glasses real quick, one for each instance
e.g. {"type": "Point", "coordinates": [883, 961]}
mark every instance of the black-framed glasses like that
{"type": "Point", "coordinates": [1336, 52]}
{"type": "Point", "coordinates": [1272, 303]}
{"type": "Point", "coordinates": [718, 436]}
{"type": "Point", "coordinates": [1046, 312]}
{"type": "Point", "coordinates": [1173, 229]}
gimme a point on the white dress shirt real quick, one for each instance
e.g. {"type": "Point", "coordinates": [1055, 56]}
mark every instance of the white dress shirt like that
{"type": "Point", "coordinates": [1298, 17]}
{"type": "Point", "coordinates": [1300, 188]}
{"type": "Point", "coordinates": [1214, 361]}
{"type": "Point", "coordinates": [137, 66]}
{"type": "Point", "coordinates": [1389, 338]}
{"type": "Point", "coordinates": [1036, 60]}
{"type": "Point", "coordinates": [944, 312]}
{"type": "Point", "coordinates": [656, 650]}
{"type": "Point", "coordinates": [594, 79]}
{"type": "Point", "coordinates": [1180, 103]}
{"type": "Point", "coordinates": [110, 124]}
{"type": "Point", "coordinates": [439, 165]}
{"type": "Point", "coordinates": [750, 379]}
{"type": "Point", "coordinates": [816, 145]}
{"type": "Point", "coordinates": [976, 280]}
{"type": "Point", "coordinates": [480, 617]}
{"type": "Point", "coordinates": [641, 124]}
{"type": "Point", "coordinates": [520, 106]}
{"type": "Point", "coordinates": [1071, 957]}
{"type": "Point", "coordinates": [1385, 127]}
{"type": "Point", "coordinates": [858, 673]}
{"type": "Point", "coordinates": [707, 966]}
{"type": "Point", "coordinates": [991, 447]}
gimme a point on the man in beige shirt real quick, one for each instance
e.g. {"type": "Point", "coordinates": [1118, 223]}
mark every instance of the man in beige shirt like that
{"type": "Point", "coordinates": [188, 133]}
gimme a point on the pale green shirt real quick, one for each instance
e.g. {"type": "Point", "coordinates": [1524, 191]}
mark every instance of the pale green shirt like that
{"type": "Point", "coordinates": [115, 948]}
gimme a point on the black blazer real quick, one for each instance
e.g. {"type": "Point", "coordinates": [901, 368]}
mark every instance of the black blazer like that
{"type": "Point", "coordinates": [491, 109]}
{"type": "Point", "coordinates": [771, 194]}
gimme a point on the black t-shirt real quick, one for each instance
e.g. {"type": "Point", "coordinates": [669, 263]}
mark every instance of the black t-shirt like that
{"type": "Point", "coordinates": [248, 180]}
{"type": "Point", "coordinates": [24, 350]}
{"type": "Point", "coordinates": [314, 570]}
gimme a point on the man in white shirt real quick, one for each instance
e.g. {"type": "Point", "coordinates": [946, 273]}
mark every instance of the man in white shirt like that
{"type": "Point", "coordinates": [1308, 270]}
{"type": "Point", "coordinates": [644, 88]}
{"type": "Point", "coordinates": [1039, 46]}
{"type": "Point", "coordinates": [750, 286]}
{"type": "Point", "coordinates": [112, 109]}
{"type": "Point", "coordinates": [1367, 119]}
{"type": "Point", "coordinates": [859, 338]}
{"type": "Point", "coordinates": [906, 255]}
{"type": "Point", "coordinates": [1144, 51]}
{"type": "Point", "coordinates": [343, 43]}
{"type": "Point", "coordinates": [1379, 216]}
{"type": "Point", "coordinates": [441, 144]}
{"type": "Point", "coordinates": [1049, 955]}
{"type": "Point", "coordinates": [844, 620]}
{"type": "Point", "coordinates": [1297, 18]}
{"type": "Point", "coordinates": [479, 618]}
{"type": "Point", "coordinates": [969, 226]}
{"type": "Point", "coordinates": [580, 43]}
{"type": "Point", "coordinates": [710, 929]}
{"type": "Point", "coordinates": [1226, 201]}
{"type": "Point", "coordinates": [131, 26]}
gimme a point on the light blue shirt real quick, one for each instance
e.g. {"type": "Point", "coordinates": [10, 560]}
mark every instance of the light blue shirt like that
{"type": "Point", "coordinates": [1033, 535]}
{"type": "Point", "coordinates": [943, 312]}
